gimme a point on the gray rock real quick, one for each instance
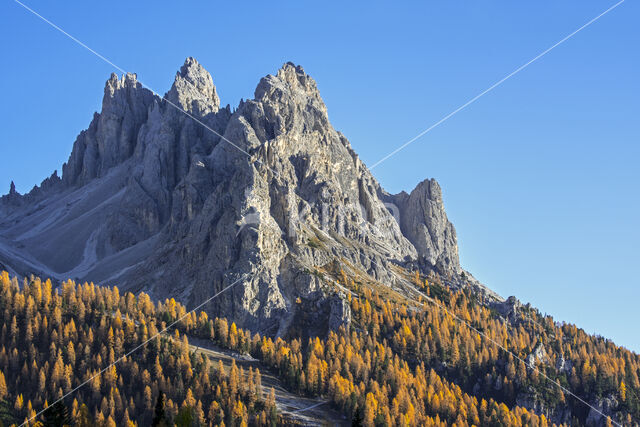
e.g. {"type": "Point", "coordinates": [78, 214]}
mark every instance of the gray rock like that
{"type": "Point", "coordinates": [564, 365]}
{"type": "Point", "coordinates": [508, 308]}
{"type": "Point", "coordinates": [424, 222]}
{"type": "Point", "coordinates": [193, 90]}
{"type": "Point", "coordinates": [532, 402]}
{"type": "Point", "coordinates": [538, 355]}
{"type": "Point", "coordinates": [340, 314]}
{"type": "Point", "coordinates": [606, 405]}
{"type": "Point", "coordinates": [112, 135]}
{"type": "Point", "coordinates": [13, 197]}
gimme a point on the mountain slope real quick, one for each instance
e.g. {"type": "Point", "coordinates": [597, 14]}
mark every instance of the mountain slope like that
{"type": "Point", "coordinates": [437, 359]}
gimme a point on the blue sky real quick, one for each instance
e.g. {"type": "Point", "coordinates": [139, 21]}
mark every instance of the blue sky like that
{"type": "Point", "coordinates": [540, 176]}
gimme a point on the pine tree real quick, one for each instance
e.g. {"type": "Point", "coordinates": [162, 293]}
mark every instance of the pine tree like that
{"type": "Point", "coordinates": [271, 406]}
{"type": "Point", "coordinates": [3, 386]}
{"type": "Point", "coordinates": [185, 417]}
{"type": "Point", "coordinates": [147, 397]}
{"type": "Point", "coordinates": [83, 418]}
{"type": "Point", "coordinates": [57, 415]}
{"type": "Point", "coordinates": [159, 416]}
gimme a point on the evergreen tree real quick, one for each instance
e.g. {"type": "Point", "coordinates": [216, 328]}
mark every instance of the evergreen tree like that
{"type": "Point", "coordinates": [185, 417]}
{"type": "Point", "coordinates": [159, 416]}
{"type": "Point", "coordinates": [357, 419]}
{"type": "Point", "coordinates": [6, 414]}
{"type": "Point", "coordinates": [57, 415]}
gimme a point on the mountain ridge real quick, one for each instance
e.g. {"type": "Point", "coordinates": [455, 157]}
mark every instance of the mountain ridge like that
{"type": "Point", "coordinates": [275, 191]}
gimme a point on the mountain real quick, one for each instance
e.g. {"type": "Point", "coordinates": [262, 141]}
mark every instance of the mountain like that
{"type": "Point", "coordinates": [338, 290]}
{"type": "Point", "coordinates": [179, 197]}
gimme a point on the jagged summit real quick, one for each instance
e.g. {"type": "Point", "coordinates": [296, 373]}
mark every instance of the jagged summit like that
{"type": "Point", "coordinates": [111, 136]}
{"type": "Point", "coordinates": [150, 199]}
{"type": "Point", "coordinates": [193, 89]}
{"type": "Point", "coordinates": [294, 94]}
{"type": "Point", "coordinates": [290, 79]}
{"type": "Point", "coordinates": [424, 222]}
{"type": "Point", "coordinates": [126, 80]}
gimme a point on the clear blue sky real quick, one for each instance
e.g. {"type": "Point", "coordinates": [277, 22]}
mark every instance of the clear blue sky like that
{"type": "Point", "coordinates": [540, 177]}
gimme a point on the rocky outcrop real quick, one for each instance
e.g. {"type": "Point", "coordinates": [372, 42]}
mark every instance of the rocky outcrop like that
{"type": "Point", "coordinates": [424, 222]}
{"type": "Point", "coordinates": [606, 405]}
{"type": "Point", "coordinates": [340, 314]}
{"type": "Point", "coordinates": [559, 414]}
{"type": "Point", "coordinates": [13, 197]}
{"type": "Point", "coordinates": [564, 365]}
{"type": "Point", "coordinates": [193, 90]}
{"type": "Point", "coordinates": [183, 205]}
{"type": "Point", "coordinates": [112, 135]}
{"type": "Point", "coordinates": [532, 402]}
{"type": "Point", "coordinates": [538, 355]}
{"type": "Point", "coordinates": [509, 309]}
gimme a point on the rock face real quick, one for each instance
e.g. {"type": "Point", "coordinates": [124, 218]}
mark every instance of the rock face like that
{"type": "Point", "coordinates": [13, 196]}
{"type": "Point", "coordinates": [193, 90]}
{"type": "Point", "coordinates": [509, 308]}
{"type": "Point", "coordinates": [606, 405]}
{"type": "Point", "coordinates": [424, 222]}
{"type": "Point", "coordinates": [182, 205]}
{"type": "Point", "coordinates": [111, 137]}
{"type": "Point", "coordinates": [538, 355]}
{"type": "Point", "coordinates": [532, 402]}
{"type": "Point", "coordinates": [564, 365]}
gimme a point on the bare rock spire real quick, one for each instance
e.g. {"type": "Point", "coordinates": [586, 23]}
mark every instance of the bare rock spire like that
{"type": "Point", "coordinates": [112, 135]}
{"type": "Point", "coordinates": [193, 89]}
{"type": "Point", "coordinates": [424, 222]}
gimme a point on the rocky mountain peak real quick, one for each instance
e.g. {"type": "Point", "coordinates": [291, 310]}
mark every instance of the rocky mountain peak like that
{"type": "Point", "coordinates": [430, 189]}
{"type": "Point", "coordinates": [424, 222]}
{"type": "Point", "coordinates": [193, 89]}
{"type": "Point", "coordinates": [289, 83]}
{"type": "Point", "coordinates": [290, 102]}
{"type": "Point", "coordinates": [112, 134]}
{"type": "Point", "coordinates": [125, 95]}
{"type": "Point", "coordinates": [115, 83]}
{"type": "Point", "coordinates": [148, 190]}
{"type": "Point", "coordinates": [12, 189]}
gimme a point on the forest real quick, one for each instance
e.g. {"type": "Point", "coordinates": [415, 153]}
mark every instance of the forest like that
{"type": "Point", "coordinates": [441, 358]}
